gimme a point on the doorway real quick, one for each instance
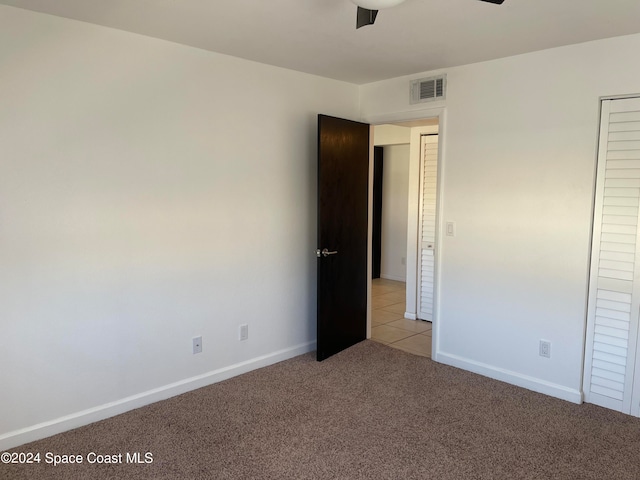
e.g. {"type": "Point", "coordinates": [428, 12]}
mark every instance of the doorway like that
{"type": "Point", "coordinates": [336, 334]}
{"type": "Point", "coordinates": [395, 297]}
{"type": "Point", "coordinates": [391, 195]}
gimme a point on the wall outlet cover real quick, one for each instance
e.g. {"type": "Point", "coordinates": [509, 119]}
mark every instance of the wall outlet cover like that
{"type": "Point", "coordinates": [244, 332]}
{"type": "Point", "coordinates": [545, 349]}
{"type": "Point", "coordinates": [197, 345]}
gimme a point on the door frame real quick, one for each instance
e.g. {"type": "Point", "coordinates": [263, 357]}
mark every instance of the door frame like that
{"type": "Point", "coordinates": [414, 201]}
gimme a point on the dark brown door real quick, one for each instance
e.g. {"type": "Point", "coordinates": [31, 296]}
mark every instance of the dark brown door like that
{"type": "Point", "coordinates": [343, 184]}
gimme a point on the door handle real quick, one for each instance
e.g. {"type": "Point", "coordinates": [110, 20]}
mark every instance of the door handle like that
{"type": "Point", "coordinates": [325, 252]}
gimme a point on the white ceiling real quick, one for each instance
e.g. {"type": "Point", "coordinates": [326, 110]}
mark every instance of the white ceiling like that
{"type": "Point", "coordinates": [319, 36]}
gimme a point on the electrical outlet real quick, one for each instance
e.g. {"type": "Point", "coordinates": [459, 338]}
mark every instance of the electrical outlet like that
{"type": "Point", "coordinates": [545, 349]}
{"type": "Point", "coordinates": [197, 345]}
{"type": "Point", "coordinates": [244, 332]}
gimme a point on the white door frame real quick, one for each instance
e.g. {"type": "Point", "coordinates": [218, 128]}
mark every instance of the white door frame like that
{"type": "Point", "coordinates": [413, 223]}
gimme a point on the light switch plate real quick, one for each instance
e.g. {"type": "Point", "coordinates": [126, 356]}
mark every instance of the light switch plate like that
{"type": "Point", "coordinates": [451, 229]}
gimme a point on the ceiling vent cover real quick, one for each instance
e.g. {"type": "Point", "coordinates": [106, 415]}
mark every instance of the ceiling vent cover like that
{"type": "Point", "coordinates": [428, 89]}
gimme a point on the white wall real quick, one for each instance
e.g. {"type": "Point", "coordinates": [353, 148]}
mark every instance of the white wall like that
{"type": "Point", "coordinates": [519, 151]}
{"type": "Point", "coordinates": [391, 135]}
{"type": "Point", "coordinates": [395, 191]}
{"type": "Point", "coordinates": [149, 193]}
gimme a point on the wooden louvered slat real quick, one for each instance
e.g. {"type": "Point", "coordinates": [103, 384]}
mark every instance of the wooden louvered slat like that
{"type": "Point", "coordinates": [607, 392]}
{"type": "Point", "coordinates": [618, 247]}
{"type": "Point", "coordinates": [609, 367]}
{"type": "Point", "coordinates": [624, 127]}
{"type": "Point", "coordinates": [607, 347]}
{"type": "Point", "coordinates": [622, 173]}
{"type": "Point", "coordinates": [609, 375]}
{"type": "Point", "coordinates": [613, 305]}
{"type": "Point", "coordinates": [612, 332]}
{"type": "Point", "coordinates": [617, 256]}
{"type": "Point", "coordinates": [607, 340]}
{"type": "Point", "coordinates": [617, 265]}
{"type": "Point", "coordinates": [615, 274]}
{"type": "Point", "coordinates": [617, 117]}
{"type": "Point", "coordinates": [623, 145]}
{"type": "Point", "coordinates": [624, 159]}
{"type": "Point", "coordinates": [618, 238]}
{"type": "Point", "coordinates": [612, 322]}
{"type": "Point", "coordinates": [620, 220]}
{"type": "Point", "coordinates": [615, 228]}
{"type": "Point", "coordinates": [621, 192]}
{"type": "Point", "coordinates": [620, 201]}
{"type": "Point", "coordinates": [633, 135]}
{"type": "Point", "coordinates": [614, 295]}
{"type": "Point", "coordinates": [606, 382]}
{"type": "Point", "coordinates": [603, 313]}
{"type": "Point", "coordinates": [623, 286]}
{"type": "Point", "coordinates": [608, 388]}
{"type": "Point", "coordinates": [622, 183]}
{"type": "Point", "coordinates": [607, 357]}
{"type": "Point", "coordinates": [617, 210]}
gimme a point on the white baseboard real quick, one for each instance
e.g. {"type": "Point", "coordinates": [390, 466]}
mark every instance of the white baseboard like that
{"type": "Point", "coordinates": [410, 316]}
{"type": "Point", "coordinates": [514, 378]}
{"type": "Point", "coordinates": [85, 417]}
{"type": "Point", "coordinates": [393, 277]}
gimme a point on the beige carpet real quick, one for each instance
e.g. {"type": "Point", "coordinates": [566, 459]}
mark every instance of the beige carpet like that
{"type": "Point", "coordinates": [371, 412]}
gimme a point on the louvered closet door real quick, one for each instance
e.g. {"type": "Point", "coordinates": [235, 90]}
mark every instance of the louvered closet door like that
{"type": "Point", "coordinates": [428, 193]}
{"type": "Point", "coordinates": [614, 292]}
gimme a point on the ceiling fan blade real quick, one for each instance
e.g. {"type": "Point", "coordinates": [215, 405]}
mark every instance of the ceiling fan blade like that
{"type": "Point", "coordinates": [366, 17]}
{"type": "Point", "coordinates": [497, 2]}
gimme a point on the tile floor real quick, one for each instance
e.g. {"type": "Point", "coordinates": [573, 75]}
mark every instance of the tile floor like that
{"type": "Point", "coordinates": [388, 324]}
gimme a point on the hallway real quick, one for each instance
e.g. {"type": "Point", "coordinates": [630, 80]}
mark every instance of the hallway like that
{"type": "Point", "coordinates": [388, 324]}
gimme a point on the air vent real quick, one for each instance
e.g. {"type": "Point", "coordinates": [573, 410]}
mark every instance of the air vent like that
{"type": "Point", "coordinates": [428, 89]}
